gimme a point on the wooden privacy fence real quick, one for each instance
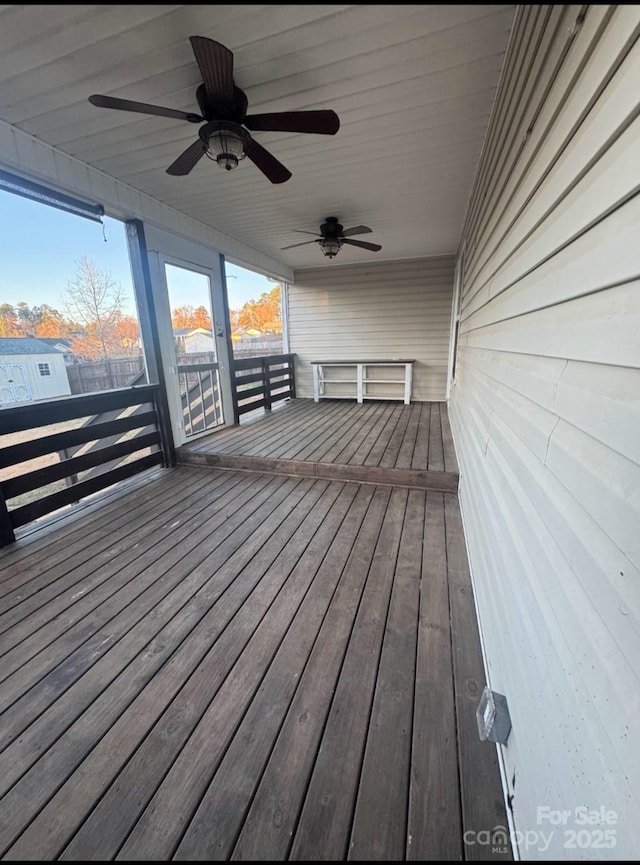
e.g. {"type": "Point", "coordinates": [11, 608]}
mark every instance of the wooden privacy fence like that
{"type": "Point", "coordinates": [122, 424]}
{"type": "Point", "coordinates": [258, 382]}
{"type": "Point", "coordinates": [104, 375]}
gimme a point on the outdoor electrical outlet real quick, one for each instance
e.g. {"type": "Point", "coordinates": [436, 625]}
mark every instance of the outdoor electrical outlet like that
{"type": "Point", "coordinates": [492, 714]}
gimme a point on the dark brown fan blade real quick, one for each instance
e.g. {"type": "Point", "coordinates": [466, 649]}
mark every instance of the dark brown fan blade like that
{"type": "Point", "coordinates": [216, 67]}
{"type": "Point", "coordinates": [320, 122]}
{"type": "Point", "coordinates": [304, 243]}
{"type": "Point", "coordinates": [142, 108]}
{"type": "Point", "coordinates": [268, 164]}
{"type": "Point", "coordinates": [374, 247]}
{"type": "Point", "coordinates": [187, 160]}
{"type": "Point", "coordinates": [300, 231]}
{"type": "Point", "coordinates": [357, 229]}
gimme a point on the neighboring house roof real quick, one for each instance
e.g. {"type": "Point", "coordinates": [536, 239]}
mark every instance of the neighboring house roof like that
{"type": "Point", "coordinates": [25, 345]}
{"type": "Point", "coordinates": [247, 331]}
{"type": "Point", "coordinates": [189, 331]}
{"type": "Point", "coordinates": [59, 342]}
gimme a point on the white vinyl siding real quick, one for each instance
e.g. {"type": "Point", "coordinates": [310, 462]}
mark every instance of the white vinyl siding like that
{"type": "Point", "coordinates": [385, 310]}
{"type": "Point", "coordinates": [545, 412]}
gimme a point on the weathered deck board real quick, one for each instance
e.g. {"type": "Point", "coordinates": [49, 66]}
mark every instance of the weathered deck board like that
{"type": "Point", "coordinates": [208, 706]}
{"type": "Point", "coordinates": [217, 822]}
{"type": "Point", "coordinates": [383, 434]}
{"type": "Point", "coordinates": [379, 824]}
{"type": "Point", "coordinates": [421, 450]}
{"type": "Point", "coordinates": [272, 817]}
{"type": "Point", "coordinates": [258, 666]}
{"type": "Point", "coordinates": [434, 826]}
{"type": "Point", "coordinates": [324, 821]}
{"type": "Point", "coordinates": [119, 586]}
{"type": "Point", "coordinates": [45, 590]}
{"type": "Point", "coordinates": [292, 442]}
{"type": "Point", "coordinates": [436, 449]}
{"type": "Point", "coordinates": [57, 539]}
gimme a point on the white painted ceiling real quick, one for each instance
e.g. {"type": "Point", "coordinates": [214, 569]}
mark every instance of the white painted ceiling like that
{"type": "Point", "coordinates": [413, 86]}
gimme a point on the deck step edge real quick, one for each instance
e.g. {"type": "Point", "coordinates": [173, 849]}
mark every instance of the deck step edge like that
{"type": "Point", "coordinates": [415, 478]}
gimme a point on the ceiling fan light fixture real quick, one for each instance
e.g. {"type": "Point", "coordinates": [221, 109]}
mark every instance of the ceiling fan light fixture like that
{"type": "Point", "coordinates": [226, 144]}
{"type": "Point", "coordinates": [330, 246]}
{"type": "Point", "coordinates": [224, 138]}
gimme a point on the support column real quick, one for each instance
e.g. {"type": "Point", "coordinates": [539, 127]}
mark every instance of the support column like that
{"type": "Point", "coordinates": [147, 316]}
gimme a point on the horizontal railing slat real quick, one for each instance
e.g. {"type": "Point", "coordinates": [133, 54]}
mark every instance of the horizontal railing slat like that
{"type": "Point", "coordinates": [27, 513]}
{"type": "Point", "coordinates": [197, 367]}
{"type": "Point", "coordinates": [250, 392]}
{"type": "Point", "coordinates": [248, 379]}
{"type": "Point", "coordinates": [251, 362]}
{"type": "Point", "coordinates": [39, 414]}
{"type": "Point", "coordinates": [29, 450]}
{"type": "Point", "coordinates": [250, 406]}
{"type": "Point", "coordinates": [13, 487]}
{"type": "Point", "coordinates": [280, 382]}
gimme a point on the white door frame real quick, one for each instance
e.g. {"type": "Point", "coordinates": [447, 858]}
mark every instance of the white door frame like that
{"type": "Point", "coordinates": [166, 248]}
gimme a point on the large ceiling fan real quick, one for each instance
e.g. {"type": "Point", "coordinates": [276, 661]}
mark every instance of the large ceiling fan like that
{"type": "Point", "coordinates": [224, 136]}
{"type": "Point", "coordinates": [333, 235]}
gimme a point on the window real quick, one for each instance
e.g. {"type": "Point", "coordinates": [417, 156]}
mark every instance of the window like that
{"type": "Point", "coordinates": [76, 296]}
{"type": "Point", "coordinates": [255, 313]}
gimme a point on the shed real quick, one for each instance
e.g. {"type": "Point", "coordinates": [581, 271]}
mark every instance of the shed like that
{"type": "Point", "coordinates": [30, 369]}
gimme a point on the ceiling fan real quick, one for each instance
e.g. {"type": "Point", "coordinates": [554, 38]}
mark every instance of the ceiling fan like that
{"type": "Point", "coordinates": [224, 136]}
{"type": "Point", "coordinates": [332, 236]}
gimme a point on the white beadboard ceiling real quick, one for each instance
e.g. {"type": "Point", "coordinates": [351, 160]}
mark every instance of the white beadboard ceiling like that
{"type": "Point", "coordinates": [413, 86]}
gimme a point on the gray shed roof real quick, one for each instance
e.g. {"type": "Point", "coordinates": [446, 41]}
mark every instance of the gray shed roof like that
{"type": "Point", "coordinates": [55, 340]}
{"type": "Point", "coordinates": [25, 345]}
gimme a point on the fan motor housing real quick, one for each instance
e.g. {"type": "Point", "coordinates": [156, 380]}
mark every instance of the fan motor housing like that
{"type": "Point", "coordinates": [331, 227]}
{"type": "Point", "coordinates": [236, 112]}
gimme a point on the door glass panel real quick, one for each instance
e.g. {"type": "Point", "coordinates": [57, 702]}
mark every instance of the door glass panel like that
{"type": "Point", "coordinates": [198, 376]}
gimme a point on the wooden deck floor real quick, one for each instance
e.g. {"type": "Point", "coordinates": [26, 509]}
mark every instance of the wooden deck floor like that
{"type": "Point", "coordinates": [377, 442]}
{"type": "Point", "coordinates": [225, 664]}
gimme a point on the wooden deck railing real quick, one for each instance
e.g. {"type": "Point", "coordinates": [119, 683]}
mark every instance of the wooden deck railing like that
{"type": "Point", "coordinates": [127, 423]}
{"type": "Point", "coordinates": [200, 394]}
{"type": "Point", "coordinates": [258, 382]}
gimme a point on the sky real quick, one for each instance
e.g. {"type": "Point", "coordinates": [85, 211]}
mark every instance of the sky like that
{"type": "Point", "coordinates": [40, 246]}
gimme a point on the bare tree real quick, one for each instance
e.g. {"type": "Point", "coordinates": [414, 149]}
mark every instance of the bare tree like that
{"type": "Point", "coordinates": [94, 300]}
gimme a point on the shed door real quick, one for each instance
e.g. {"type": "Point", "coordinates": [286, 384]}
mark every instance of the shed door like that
{"type": "Point", "coordinates": [14, 386]}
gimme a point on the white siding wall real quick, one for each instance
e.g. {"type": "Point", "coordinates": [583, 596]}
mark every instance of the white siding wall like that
{"type": "Point", "coordinates": [545, 411]}
{"type": "Point", "coordinates": [382, 310]}
{"type": "Point", "coordinates": [199, 343]}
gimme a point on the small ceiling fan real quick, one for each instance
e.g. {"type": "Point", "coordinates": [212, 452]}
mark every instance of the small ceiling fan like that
{"type": "Point", "coordinates": [224, 136]}
{"type": "Point", "coordinates": [333, 235]}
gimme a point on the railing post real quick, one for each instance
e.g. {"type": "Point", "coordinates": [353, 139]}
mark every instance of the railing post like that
{"type": "Point", "coordinates": [164, 428]}
{"type": "Point", "coordinates": [267, 383]}
{"type": "Point", "coordinates": [234, 392]}
{"type": "Point", "coordinates": [292, 369]}
{"type": "Point", "coordinates": [6, 527]}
